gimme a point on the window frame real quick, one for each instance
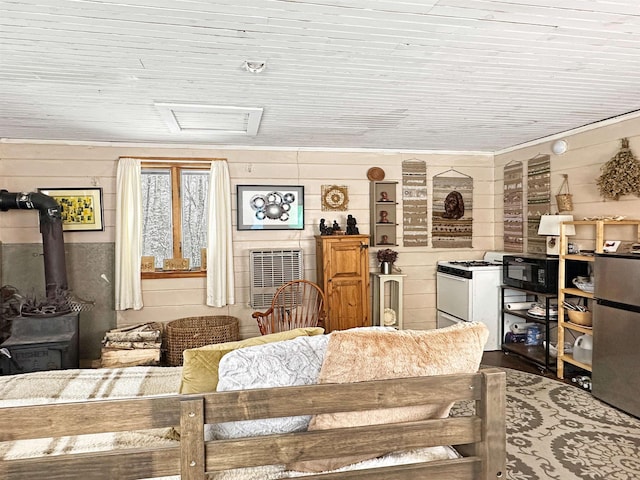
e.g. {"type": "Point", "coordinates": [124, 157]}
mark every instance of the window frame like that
{"type": "Point", "coordinates": [175, 166]}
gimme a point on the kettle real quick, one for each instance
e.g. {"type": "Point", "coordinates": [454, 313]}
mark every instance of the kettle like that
{"type": "Point", "coordinates": [585, 342]}
{"type": "Point", "coordinates": [583, 349]}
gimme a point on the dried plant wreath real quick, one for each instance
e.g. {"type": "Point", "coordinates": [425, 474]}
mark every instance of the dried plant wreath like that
{"type": "Point", "coordinates": [620, 175]}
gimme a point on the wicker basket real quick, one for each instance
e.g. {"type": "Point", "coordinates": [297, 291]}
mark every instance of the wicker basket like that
{"type": "Point", "coordinates": [565, 202]}
{"type": "Point", "coordinates": [580, 318]}
{"type": "Point", "coordinates": [193, 332]}
{"type": "Point", "coordinates": [564, 199]}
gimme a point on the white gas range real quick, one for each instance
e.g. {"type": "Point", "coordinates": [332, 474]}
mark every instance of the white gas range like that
{"type": "Point", "coordinates": [469, 291]}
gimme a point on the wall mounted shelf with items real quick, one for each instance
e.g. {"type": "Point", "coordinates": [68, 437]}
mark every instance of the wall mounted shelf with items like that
{"type": "Point", "coordinates": [569, 292]}
{"type": "Point", "coordinates": [384, 213]}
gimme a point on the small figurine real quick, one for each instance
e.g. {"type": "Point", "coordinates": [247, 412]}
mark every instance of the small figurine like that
{"type": "Point", "coordinates": [324, 228]}
{"type": "Point", "coordinates": [352, 229]}
{"type": "Point", "coordinates": [384, 217]}
{"type": "Point", "coordinates": [336, 227]}
{"type": "Point", "coordinates": [384, 240]}
{"type": "Point", "coordinates": [384, 197]}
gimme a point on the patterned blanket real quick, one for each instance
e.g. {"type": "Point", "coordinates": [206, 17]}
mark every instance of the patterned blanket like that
{"type": "Point", "coordinates": [60, 386]}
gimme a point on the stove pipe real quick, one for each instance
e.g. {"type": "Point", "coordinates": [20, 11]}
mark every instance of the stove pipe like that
{"type": "Point", "coordinates": [50, 212]}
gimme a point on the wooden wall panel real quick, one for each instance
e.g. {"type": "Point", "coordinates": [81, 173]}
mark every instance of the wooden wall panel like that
{"type": "Point", "coordinates": [587, 152]}
{"type": "Point", "coordinates": [26, 167]}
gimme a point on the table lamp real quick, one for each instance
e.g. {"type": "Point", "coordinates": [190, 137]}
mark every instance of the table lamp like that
{"type": "Point", "coordinates": [550, 227]}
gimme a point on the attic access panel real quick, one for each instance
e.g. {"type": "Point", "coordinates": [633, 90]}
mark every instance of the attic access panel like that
{"type": "Point", "coordinates": [202, 118]}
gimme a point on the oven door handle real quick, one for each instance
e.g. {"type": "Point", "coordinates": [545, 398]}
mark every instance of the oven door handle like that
{"type": "Point", "coordinates": [453, 277]}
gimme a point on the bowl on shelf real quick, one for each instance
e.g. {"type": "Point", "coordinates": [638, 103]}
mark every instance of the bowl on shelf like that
{"type": "Point", "coordinates": [584, 284]}
{"type": "Point", "coordinates": [580, 318]}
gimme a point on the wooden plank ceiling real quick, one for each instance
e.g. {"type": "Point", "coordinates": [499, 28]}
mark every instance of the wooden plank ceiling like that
{"type": "Point", "coordinates": [464, 75]}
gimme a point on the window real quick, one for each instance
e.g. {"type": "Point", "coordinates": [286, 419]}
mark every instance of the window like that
{"type": "Point", "coordinates": [174, 211]}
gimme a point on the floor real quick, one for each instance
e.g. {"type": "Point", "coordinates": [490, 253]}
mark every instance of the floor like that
{"type": "Point", "coordinates": [500, 359]}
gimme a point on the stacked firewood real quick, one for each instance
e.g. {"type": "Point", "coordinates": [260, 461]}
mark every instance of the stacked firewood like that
{"type": "Point", "coordinates": [133, 345]}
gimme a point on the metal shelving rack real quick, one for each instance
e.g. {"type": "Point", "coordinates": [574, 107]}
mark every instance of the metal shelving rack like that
{"type": "Point", "coordinates": [537, 354]}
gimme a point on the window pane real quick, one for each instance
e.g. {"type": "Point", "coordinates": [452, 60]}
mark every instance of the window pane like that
{"type": "Point", "coordinates": [194, 192]}
{"type": "Point", "coordinates": [157, 237]}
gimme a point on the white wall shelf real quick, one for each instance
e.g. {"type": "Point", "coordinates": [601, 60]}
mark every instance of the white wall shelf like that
{"type": "Point", "coordinates": [384, 214]}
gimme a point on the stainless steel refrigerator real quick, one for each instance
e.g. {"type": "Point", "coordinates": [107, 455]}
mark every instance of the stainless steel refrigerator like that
{"type": "Point", "coordinates": [616, 331]}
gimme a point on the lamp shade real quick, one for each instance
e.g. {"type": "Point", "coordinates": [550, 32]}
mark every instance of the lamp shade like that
{"type": "Point", "coordinates": [550, 225]}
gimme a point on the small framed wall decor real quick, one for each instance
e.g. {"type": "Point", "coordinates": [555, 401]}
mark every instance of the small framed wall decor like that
{"type": "Point", "coordinates": [81, 208]}
{"type": "Point", "coordinates": [270, 207]}
{"type": "Point", "coordinates": [335, 198]}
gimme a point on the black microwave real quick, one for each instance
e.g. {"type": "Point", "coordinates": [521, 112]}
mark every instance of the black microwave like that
{"type": "Point", "coordinates": [538, 273]}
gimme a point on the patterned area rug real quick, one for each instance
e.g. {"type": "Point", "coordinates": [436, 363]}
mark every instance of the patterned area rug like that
{"type": "Point", "coordinates": [557, 431]}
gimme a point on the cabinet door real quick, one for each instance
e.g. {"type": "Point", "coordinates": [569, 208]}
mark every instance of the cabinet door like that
{"type": "Point", "coordinates": [348, 259]}
{"type": "Point", "coordinates": [348, 307]}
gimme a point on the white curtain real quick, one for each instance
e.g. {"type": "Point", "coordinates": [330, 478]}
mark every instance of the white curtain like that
{"type": "Point", "coordinates": [128, 234]}
{"type": "Point", "coordinates": [220, 281]}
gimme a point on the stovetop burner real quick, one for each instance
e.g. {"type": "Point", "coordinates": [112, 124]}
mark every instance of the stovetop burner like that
{"type": "Point", "coordinates": [491, 261]}
{"type": "Point", "coordinates": [458, 267]}
{"type": "Point", "coordinates": [472, 263]}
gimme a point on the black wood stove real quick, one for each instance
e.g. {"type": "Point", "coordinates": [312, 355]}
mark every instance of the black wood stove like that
{"type": "Point", "coordinates": [40, 343]}
{"type": "Point", "coordinates": [46, 339]}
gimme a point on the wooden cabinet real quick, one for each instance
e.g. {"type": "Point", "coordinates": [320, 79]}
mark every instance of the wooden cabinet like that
{"type": "Point", "coordinates": [384, 214]}
{"type": "Point", "coordinates": [567, 331]}
{"type": "Point", "coordinates": [342, 263]}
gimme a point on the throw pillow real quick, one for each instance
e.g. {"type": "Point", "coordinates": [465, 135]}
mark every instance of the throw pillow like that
{"type": "Point", "coordinates": [362, 355]}
{"type": "Point", "coordinates": [200, 368]}
{"type": "Point", "coordinates": [280, 364]}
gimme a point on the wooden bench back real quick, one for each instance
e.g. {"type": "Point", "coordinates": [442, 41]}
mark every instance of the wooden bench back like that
{"type": "Point", "coordinates": [480, 437]}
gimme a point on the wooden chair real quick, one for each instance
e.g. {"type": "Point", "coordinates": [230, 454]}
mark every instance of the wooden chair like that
{"type": "Point", "coordinates": [296, 304]}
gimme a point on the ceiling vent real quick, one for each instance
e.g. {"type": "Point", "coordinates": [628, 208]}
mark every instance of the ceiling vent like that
{"type": "Point", "coordinates": [201, 118]}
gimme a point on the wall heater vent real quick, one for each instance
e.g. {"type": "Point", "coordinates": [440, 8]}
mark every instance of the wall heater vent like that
{"type": "Point", "coordinates": [270, 269]}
